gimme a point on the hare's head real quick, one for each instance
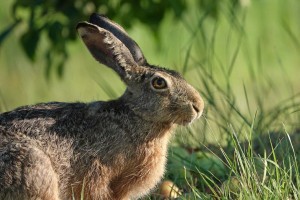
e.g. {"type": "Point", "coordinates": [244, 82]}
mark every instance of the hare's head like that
{"type": "Point", "coordinates": [156, 94]}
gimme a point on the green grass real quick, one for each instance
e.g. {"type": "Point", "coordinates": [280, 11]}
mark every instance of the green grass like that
{"type": "Point", "coordinates": [238, 172]}
{"type": "Point", "coordinates": [246, 67]}
{"type": "Point", "coordinates": [247, 145]}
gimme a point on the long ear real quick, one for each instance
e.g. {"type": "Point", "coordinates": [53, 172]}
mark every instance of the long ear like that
{"type": "Point", "coordinates": [120, 33]}
{"type": "Point", "coordinates": [108, 49]}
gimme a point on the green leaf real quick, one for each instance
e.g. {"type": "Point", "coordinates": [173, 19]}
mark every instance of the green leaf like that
{"type": "Point", "coordinates": [29, 42]}
{"type": "Point", "coordinates": [55, 31]}
{"type": "Point", "coordinates": [60, 69]}
{"type": "Point", "coordinates": [8, 31]}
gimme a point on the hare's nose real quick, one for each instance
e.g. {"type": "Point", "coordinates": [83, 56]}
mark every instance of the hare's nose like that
{"type": "Point", "coordinates": [198, 107]}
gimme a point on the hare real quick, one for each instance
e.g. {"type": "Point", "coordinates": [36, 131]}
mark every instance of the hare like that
{"type": "Point", "coordinates": [99, 150]}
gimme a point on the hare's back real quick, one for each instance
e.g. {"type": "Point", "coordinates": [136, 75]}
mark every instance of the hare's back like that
{"type": "Point", "coordinates": [41, 118]}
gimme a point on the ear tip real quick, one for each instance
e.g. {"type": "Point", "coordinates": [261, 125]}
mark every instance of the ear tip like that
{"type": "Point", "coordinates": [80, 25]}
{"type": "Point", "coordinates": [83, 28]}
{"type": "Point", "coordinates": [85, 25]}
{"type": "Point", "coordinates": [96, 17]}
{"type": "Point", "coordinates": [93, 16]}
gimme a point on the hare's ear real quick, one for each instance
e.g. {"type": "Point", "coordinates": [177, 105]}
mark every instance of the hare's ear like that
{"type": "Point", "coordinates": [119, 33]}
{"type": "Point", "coordinates": [107, 49]}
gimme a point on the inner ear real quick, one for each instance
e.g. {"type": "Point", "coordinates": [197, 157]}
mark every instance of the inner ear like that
{"type": "Point", "coordinates": [121, 34]}
{"type": "Point", "coordinates": [107, 49]}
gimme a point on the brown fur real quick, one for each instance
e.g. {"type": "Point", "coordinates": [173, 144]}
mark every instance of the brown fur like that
{"type": "Point", "coordinates": [101, 150]}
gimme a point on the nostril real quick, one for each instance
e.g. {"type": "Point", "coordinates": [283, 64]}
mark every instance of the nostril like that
{"type": "Point", "coordinates": [196, 108]}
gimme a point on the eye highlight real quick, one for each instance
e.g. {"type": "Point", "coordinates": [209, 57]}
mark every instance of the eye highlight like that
{"type": "Point", "coordinates": [159, 83]}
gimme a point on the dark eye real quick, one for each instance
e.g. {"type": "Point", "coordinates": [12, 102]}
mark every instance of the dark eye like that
{"type": "Point", "coordinates": [159, 83]}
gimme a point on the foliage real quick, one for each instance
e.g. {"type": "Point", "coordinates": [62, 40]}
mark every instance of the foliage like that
{"type": "Point", "coordinates": [253, 154]}
{"type": "Point", "coordinates": [57, 20]}
{"type": "Point", "coordinates": [239, 152]}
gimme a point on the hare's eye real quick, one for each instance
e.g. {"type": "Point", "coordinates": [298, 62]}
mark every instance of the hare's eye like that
{"type": "Point", "coordinates": [159, 83]}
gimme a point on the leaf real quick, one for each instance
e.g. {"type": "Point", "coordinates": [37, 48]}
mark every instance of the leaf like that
{"type": "Point", "coordinates": [8, 30]}
{"type": "Point", "coordinates": [60, 69]}
{"type": "Point", "coordinates": [48, 64]}
{"type": "Point", "coordinates": [55, 31]}
{"type": "Point", "coordinates": [29, 42]}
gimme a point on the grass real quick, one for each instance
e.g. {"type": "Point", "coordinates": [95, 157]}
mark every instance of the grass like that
{"type": "Point", "coordinates": [248, 144]}
{"type": "Point", "coordinates": [239, 172]}
{"type": "Point", "coordinates": [245, 65]}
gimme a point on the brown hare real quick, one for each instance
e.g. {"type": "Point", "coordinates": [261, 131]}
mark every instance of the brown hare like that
{"type": "Point", "coordinates": [99, 150]}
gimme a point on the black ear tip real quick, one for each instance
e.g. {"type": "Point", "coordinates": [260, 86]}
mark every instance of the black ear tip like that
{"type": "Point", "coordinates": [93, 17]}
{"type": "Point", "coordinates": [96, 17]}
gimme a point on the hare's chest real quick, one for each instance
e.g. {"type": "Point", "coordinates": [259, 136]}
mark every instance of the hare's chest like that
{"type": "Point", "coordinates": [151, 170]}
{"type": "Point", "coordinates": [143, 173]}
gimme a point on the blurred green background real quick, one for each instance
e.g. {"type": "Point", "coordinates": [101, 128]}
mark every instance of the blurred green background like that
{"type": "Point", "coordinates": [242, 55]}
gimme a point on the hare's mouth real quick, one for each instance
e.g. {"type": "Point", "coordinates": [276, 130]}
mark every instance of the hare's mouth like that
{"type": "Point", "coordinates": [190, 115]}
{"type": "Point", "coordinates": [188, 119]}
{"type": "Point", "coordinates": [186, 122]}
